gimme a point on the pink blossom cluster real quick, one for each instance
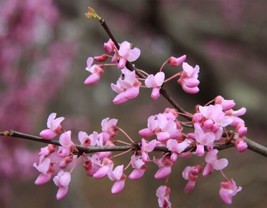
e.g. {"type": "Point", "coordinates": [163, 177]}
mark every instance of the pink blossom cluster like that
{"type": "Point", "coordinates": [128, 84]}
{"type": "Point", "coordinates": [212, 124]}
{"type": "Point", "coordinates": [163, 130]}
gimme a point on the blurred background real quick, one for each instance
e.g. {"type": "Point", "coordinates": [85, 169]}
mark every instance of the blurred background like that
{"type": "Point", "coordinates": [43, 50]}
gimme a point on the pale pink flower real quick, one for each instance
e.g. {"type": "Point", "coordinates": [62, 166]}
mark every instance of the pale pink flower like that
{"type": "Point", "coordinates": [228, 189]}
{"type": "Point", "coordinates": [46, 170]}
{"type": "Point", "coordinates": [67, 146]}
{"type": "Point", "coordinates": [119, 178]}
{"type": "Point", "coordinates": [190, 174]}
{"type": "Point", "coordinates": [240, 144]}
{"type": "Point", "coordinates": [139, 167]}
{"type": "Point", "coordinates": [226, 104]}
{"type": "Point", "coordinates": [203, 138]}
{"type": "Point", "coordinates": [62, 180]}
{"type": "Point", "coordinates": [173, 61]}
{"type": "Point", "coordinates": [165, 167]}
{"type": "Point", "coordinates": [106, 165]}
{"type": "Point", "coordinates": [127, 87]}
{"type": "Point", "coordinates": [146, 148]}
{"type": "Point", "coordinates": [127, 54]}
{"type": "Point", "coordinates": [95, 70]}
{"type": "Point", "coordinates": [155, 82]}
{"type": "Point", "coordinates": [54, 127]}
{"type": "Point", "coordinates": [163, 125]}
{"type": "Point", "coordinates": [109, 127]}
{"type": "Point", "coordinates": [189, 78]}
{"type": "Point", "coordinates": [84, 139]}
{"type": "Point", "coordinates": [213, 162]}
{"type": "Point", "coordinates": [163, 194]}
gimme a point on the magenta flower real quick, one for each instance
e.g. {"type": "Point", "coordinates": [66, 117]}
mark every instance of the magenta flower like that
{"type": "Point", "coordinates": [119, 178]}
{"type": "Point", "coordinates": [54, 127]}
{"type": "Point", "coordinates": [176, 61]}
{"type": "Point", "coordinates": [228, 189]}
{"type": "Point", "coordinates": [95, 70]}
{"type": "Point", "coordinates": [213, 162]}
{"type": "Point", "coordinates": [139, 167]}
{"type": "Point", "coordinates": [189, 78]}
{"type": "Point", "coordinates": [190, 174]}
{"type": "Point", "coordinates": [109, 46]}
{"type": "Point", "coordinates": [155, 82]}
{"type": "Point", "coordinates": [106, 165]}
{"type": "Point", "coordinates": [163, 194]}
{"type": "Point", "coordinates": [84, 139]}
{"type": "Point", "coordinates": [127, 87]}
{"type": "Point", "coordinates": [127, 54]}
{"type": "Point", "coordinates": [62, 180]}
{"type": "Point", "coordinates": [203, 138]}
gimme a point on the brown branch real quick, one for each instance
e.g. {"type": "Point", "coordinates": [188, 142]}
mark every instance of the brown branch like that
{"type": "Point", "coordinates": [253, 146]}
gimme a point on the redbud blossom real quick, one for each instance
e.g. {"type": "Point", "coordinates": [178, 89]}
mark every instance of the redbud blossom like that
{"type": "Point", "coordinates": [109, 46]}
{"type": "Point", "coordinates": [67, 146]}
{"type": "Point", "coordinates": [62, 180]}
{"type": "Point", "coordinates": [163, 194]}
{"type": "Point", "coordinates": [190, 174]}
{"type": "Point", "coordinates": [54, 127]}
{"type": "Point", "coordinates": [46, 170]}
{"type": "Point", "coordinates": [139, 167]}
{"type": "Point", "coordinates": [213, 162]}
{"type": "Point", "coordinates": [155, 82]}
{"type": "Point", "coordinates": [96, 72]}
{"type": "Point", "coordinates": [176, 61]}
{"type": "Point", "coordinates": [165, 167]}
{"type": "Point", "coordinates": [127, 87]}
{"type": "Point", "coordinates": [189, 78]}
{"type": "Point", "coordinates": [119, 178]}
{"type": "Point", "coordinates": [127, 54]}
{"type": "Point", "coordinates": [146, 148]}
{"type": "Point", "coordinates": [228, 189]}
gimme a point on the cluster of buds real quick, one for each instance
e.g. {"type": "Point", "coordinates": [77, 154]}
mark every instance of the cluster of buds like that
{"type": "Point", "coordinates": [211, 125]}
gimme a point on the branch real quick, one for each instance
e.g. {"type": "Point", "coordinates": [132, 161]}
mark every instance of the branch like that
{"type": "Point", "coordinates": [253, 146]}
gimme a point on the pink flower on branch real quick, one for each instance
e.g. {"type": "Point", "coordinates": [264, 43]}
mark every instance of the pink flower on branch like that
{"type": "Point", "coordinates": [62, 180]}
{"type": "Point", "coordinates": [54, 127]}
{"type": "Point", "coordinates": [127, 54]}
{"type": "Point", "coordinates": [127, 87]}
{"type": "Point", "coordinates": [119, 178]}
{"type": "Point", "coordinates": [228, 190]}
{"type": "Point", "coordinates": [95, 70]}
{"type": "Point", "coordinates": [139, 167]}
{"type": "Point", "coordinates": [213, 162]}
{"type": "Point", "coordinates": [176, 61]}
{"type": "Point", "coordinates": [163, 194]}
{"type": "Point", "coordinates": [190, 174]}
{"type": "Point", "coordinates": [189, 78]}
{"type": "Point", "coordinates": [46, 170]}
{"type": "Point", "coordinates": [155, 82]}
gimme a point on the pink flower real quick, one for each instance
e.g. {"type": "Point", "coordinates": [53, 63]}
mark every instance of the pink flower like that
{"type": "Point", "coordinates": [84, 139]}
{"type": "Point", "coordinates": [202, 138]}
{"type": "Point", "coordinates": [139, 167]}
{"type": "Point", "coordinates": [163, 125]}
{"type": "Point", "coordinates": [119, 178]}
{"type": "Point", "coordinates": [163, 194]}
{"type": "Point", "coordinates": [46, 170]}
{"type": "Point", "coordinates": [95, 70]}
{"type": "Point", "coordinates": [62, 180]}
{"type": "Point", "coordinates": [240, 144]}
{"type": "Point", "coordinates": [226, 104]}
{"type": "Point", "coordinates": [127, 54]}
{"type": "Point", "coordinates": [176, 61]}
{"type": "Point", "coordinates": [189, 78]}
{"type": "Point", "coordinates": [106, 165]}
{"type": "Point", "coordinates": [67, 146]}
{"type": "Point", "coordinates": [165, 167]}
{"type": "Point", "coordinates": [54, 127]}
{"type": "Point", "coordinates": [146, 148]}
{"type": "Point", "coordinates": [109, 127]}
{"type": "Point", "coordinates": [109, 46]}
{"type": "Point", "coordinates": [155, 82]}
{"type": "Point", "coordinates": [127, 87]}
{"type": "Point", "coordinates": [228, 189]}
{"type": "Point", "coordinates": [213, 162]}
{"type": "Point", "coordinates": [190, 174]}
